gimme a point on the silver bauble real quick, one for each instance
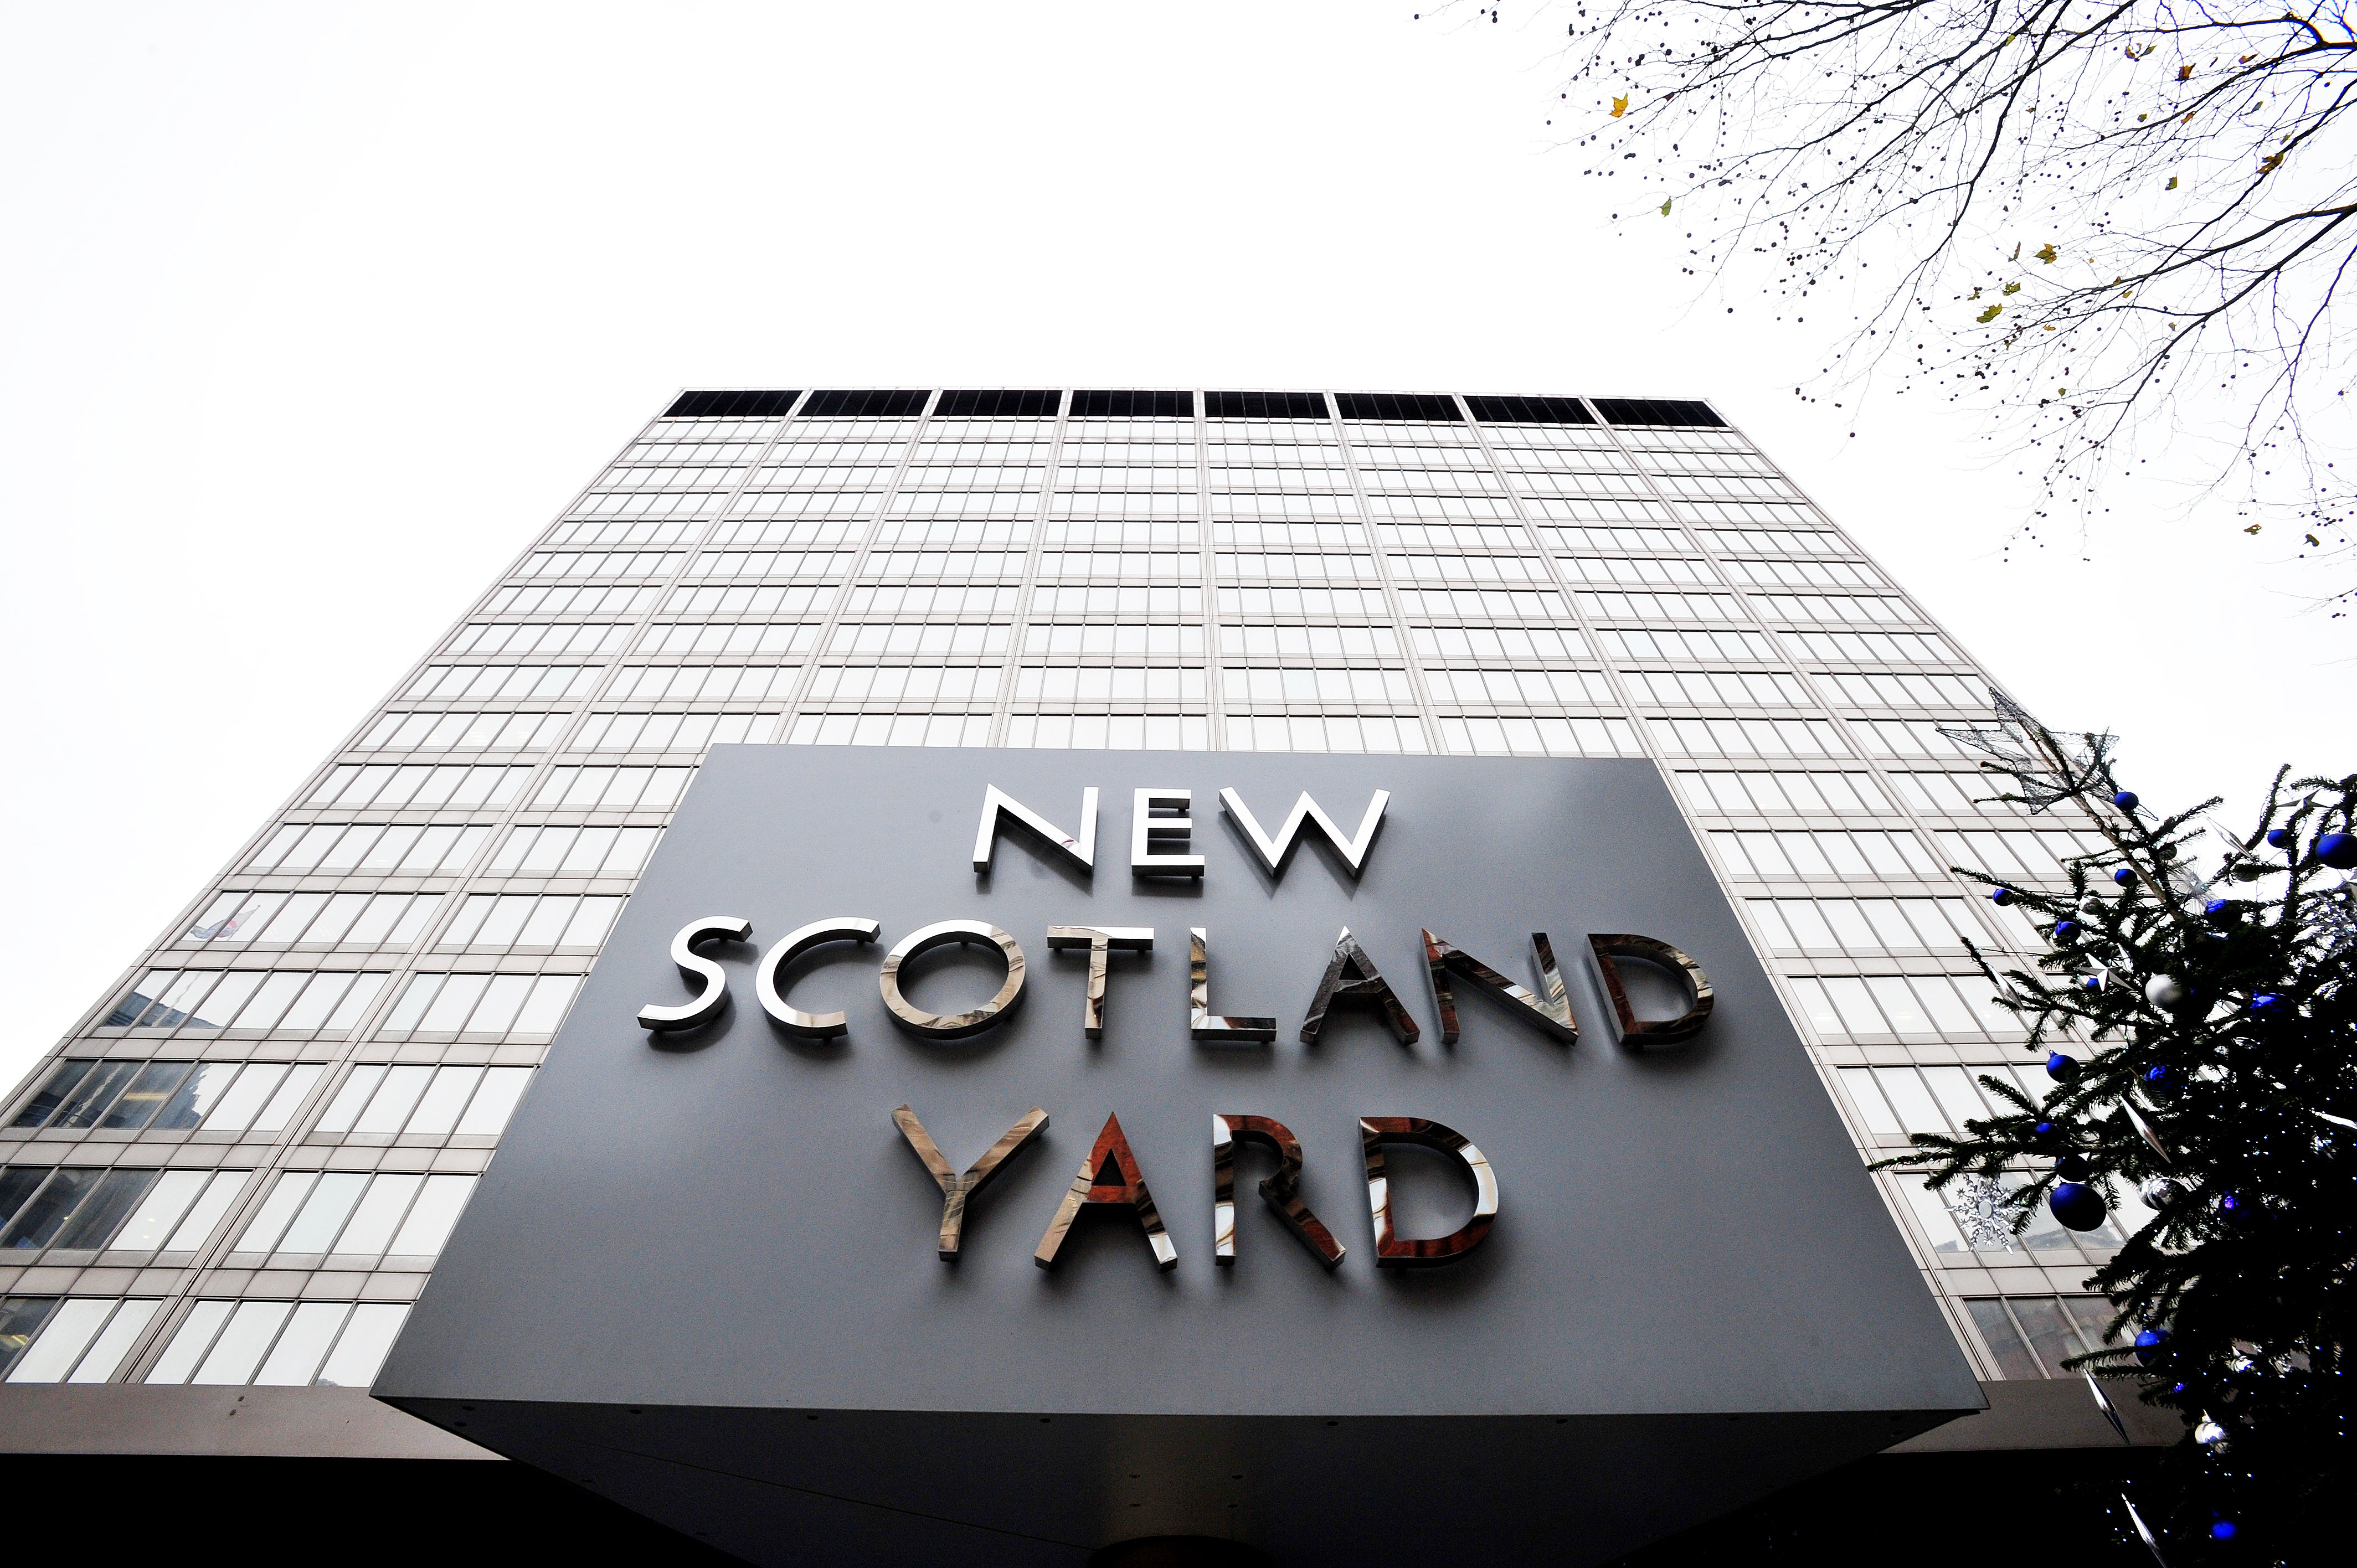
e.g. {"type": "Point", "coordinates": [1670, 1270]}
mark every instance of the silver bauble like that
{"type": "Point", "coordinates": [2160, 1194]}
{"type": "Point", "coordinates": [2209, 1433]}
{"type": "Point", "coordinates": [2163, 992]}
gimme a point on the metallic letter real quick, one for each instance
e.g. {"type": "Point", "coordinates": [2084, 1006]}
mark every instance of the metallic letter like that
{"type": "Point", "coordinates": [1551, 1013]}
{"type": "Point", "coordinates": [793, 1019]}
{"type": "Point", "coordinates": [957, 1190]}
{"type": "Point", "coordinates": [1636, 1031]}
{"type": "Point", "coordinates": [708, 1002]}
{"type": "Point", "coordinates": [1392, 1251]}
{"type": "Point", "coordinates": [1204, 1023]}
{"type": "Point", "coordinates": [1098, 940]}
{"type": "Point", "coordinates": [951, 1026]}
{"type": "Point", "coordinates": [1273, 852]}
{"type": "Point", "coordinates": [1092, 1186]}
{"type": "Point", "coordinates": [1146, 830]}
{"type": "Point", "coordinates": [1351, 979]}
{"type": "Point", "coordinates": [1080, 848]}
{"type": "Point", "coordinates": [1281, 1190]}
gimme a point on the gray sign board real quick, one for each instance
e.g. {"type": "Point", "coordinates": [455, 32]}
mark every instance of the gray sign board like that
{"type": "Point", "coordinates": [702, 1271]}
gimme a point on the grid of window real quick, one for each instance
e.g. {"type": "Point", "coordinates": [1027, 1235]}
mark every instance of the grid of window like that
{"type": "Point", "coordinates": [379, 971]}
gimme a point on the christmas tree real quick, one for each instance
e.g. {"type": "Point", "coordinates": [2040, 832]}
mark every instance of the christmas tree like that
{"type": "Point", "coordinates": [2196, 1014]}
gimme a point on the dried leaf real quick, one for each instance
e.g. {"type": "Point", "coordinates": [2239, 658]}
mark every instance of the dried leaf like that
{"type": "Point", "coordinates": [1619, 107]}
{"type": "Point", "coordinates": [2013, 288]}
{"type": "Point", "coordinates": [2270, 165]}
{"type": "Point", "coordinates": [2253, 529]}
{"type": "Point", "coordinates": [1991, 314]}
{"type": "Point", "coordinates": [2171, 185]}
{"type": "Point", "coordinates": [2047, 255]}
{"type": "Point", "coordinates": [1666, 209]}
{"type": "Point", "coordinates": [2184, 73]}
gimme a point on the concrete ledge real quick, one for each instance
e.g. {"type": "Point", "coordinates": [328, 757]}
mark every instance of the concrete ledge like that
{"type": "Point", "coordinates": [116, 1418]}
{"type": "Point", "coordinates": [2057, 1415]}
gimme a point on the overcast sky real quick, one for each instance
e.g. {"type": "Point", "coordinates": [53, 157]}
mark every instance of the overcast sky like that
{"type": "Point", "coordinates": [314, 315]}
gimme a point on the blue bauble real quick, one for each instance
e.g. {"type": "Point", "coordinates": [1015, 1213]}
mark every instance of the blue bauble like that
{"type": "Point", "coordinates": [2073, 1167]}
{"type": "Point", "coordinates": [2076, 1205]}
{"type": "Point", "coordinates": [2124, 876]}
{"type": "Point", "coordinates": [2065, 930]}
{"type": "Point", "coordinates": [2218, 909]}
{"type": "Point", "coordinates": [2148, 1344]}
{"type": "Point", "coordinates": [2281, 838]}
{"type": "Point", "coordinates": [2062, 1068]}
{"type": "Point", "coordinates": [2337, 851]}
{"type": "Point", "coordinates": [2001, 894]}
{"type": "Point", "coordinates": [2126, 800]}
{"type": "Point", "coordinates": [2222, 1531]}
{"type": "Point", "coordinates": [2093, 983]}
{"type": "Point", "coordinates": [2266, 1002]}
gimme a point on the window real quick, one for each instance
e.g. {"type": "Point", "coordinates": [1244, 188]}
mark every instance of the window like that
{"type": "Point", "coordinates": [2032, 1336]}
{"type": "Point", "coordinates": [1866, 926]}
{"type": "Point", "coordinates": [258, 919]}
{"type": "Point", "coordinates": [611, 789]}
{"type": "Point", "coordinates": [79, 1340]}
{"type": "Point", "coordinates": [1537, 736]}
{"type": "Point", "coordinates": [461, 732]}
{"type": "Point", "coordinates": [1749, 794]}
{"type": "Point", "coordinates": [1364, 733]}
{"type": "Point", "coordinates": [573, 852]}
{"type": "Point", "coordinates": [170, 1096]}
{"type": "Point", "coordinates": [353, 1216]}
{"type": "Point", "coordinates": [383, 787]}
{"type": "Point", "coordinates": [542, 921]}
{"type": "Point", "coordinates": [887, 729]}
{"type": "Point", "coordinates": [1821, 852]}
{"type": "Point", "coordinates": [317, 1343]}
{"type": "Point", "coordinates": [284, 1001]}
{"type": "Point", "coordinates": [416, 1101]}
{"type": "Point", "coordinates": [701, 683]}
{"type": "Point", "coordinates": [452, 1005]}
{"type": "Point", "coordinates": [335, 848]}
{"type": "Point", "coordinates": [671, 732]}
{"type": "Point", "coordinates": [1924, 1006]}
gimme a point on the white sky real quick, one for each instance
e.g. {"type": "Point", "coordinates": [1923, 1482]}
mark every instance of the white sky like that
{"type": "Point", "coordinates": [314, 315]}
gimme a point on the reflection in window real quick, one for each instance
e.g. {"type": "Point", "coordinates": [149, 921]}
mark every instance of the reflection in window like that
{"type": "Point", "coordinates": [351, 1215]}
{"type": "Point", "coordinates": [320, 1344]}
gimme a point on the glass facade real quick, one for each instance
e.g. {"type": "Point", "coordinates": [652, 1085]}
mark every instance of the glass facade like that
{"type": "Point", "coordinates": [242, 1164]}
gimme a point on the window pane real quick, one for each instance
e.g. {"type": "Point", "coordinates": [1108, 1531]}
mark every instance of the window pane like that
{"type": "Point", "coordinates": [1872, 1107]}
{"type": "Point", "coordinates": [453, 1003]}
{"type": "Point", "coordinates": [69, 1331]}
{"type": "Point", "coordinates": [63, 1079]}
{"type": "Point", "coordinates": [360, 1351]}
{"type": "Point", "coordinates": [219, 1194]}
{"type": "Point", "coordinates": [195, 1337]}
{"type": "Point", "coordinates": [291, 1091]}
{"type": "Point", "coordinates": [390, 1106]}
{"type": "Point", "coordinates": [297, 1353]}
{"type": "Point", "coordinates": [21, 1319]}
{"type": "Point", "coordinates": [41, 1218]}
{"type": "Point", "coordinates": [1957, 1096]}
{"type": "Point", "coordinates": [550, 995]}
{"type": "Point", "coordinates": [1917, 1111]}
{"type": "Point", "coordinates": [429, 1222]}
{"type": "Point", "coordinates": [495, 1100]}
{"type": "Point", "coordinates": [95, 1222]}
{"type": "Point", "coordinates": [2013, 1357]}
{"type": "Point", "coordinates": [194, 1099]}
{"type": "Point", "coordinates": [438, 1112]}
{"type": "Point", "coordinates": [95, 1094]}
{"type": "Point", "coordinates": [1898, 1004]}
{"type": "Point", "coordinates": [322, 1215]}
{"type": "Point", "coordinates": [165, 1202]}
{"type": "Point", "coordinates": [263, 1230]}
{"type": "Point", "coordinates": [245, 1097]}
{"type": "Point", "coordinates": [354, 1093]}
{"type": "Point", "coordinates": [2050, 1333]}
{"type": "Point", "coordinates": [149, 1092]}
{"type": "Point", "coordinates": [18, 1183]}
{"type": "Point", "coordinates": [122, 1331]}
{"type": "Point", "coordinates": [379, 1212]}
{"type": "Point", "coordinates": [239, 1349]}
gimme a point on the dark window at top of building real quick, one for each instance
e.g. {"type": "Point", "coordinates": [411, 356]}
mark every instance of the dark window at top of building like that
{"type": "Point", "coordinates": [1530, 411]}
{"type": "Point", "coordinates": [1126, 404]}
{"type": "Point", "coordinates": [864, 404]}
{"type": "Point", "coordinates": [1263, 405]}
{"type": "Point", "coordinates": [731, 405]}
{"type": "Point", "coordinates": [1396, 405]}
{"type": "Point", "coordinates": [1656, 411]}
{"type": "Point", "coordinates": [998, 403]}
